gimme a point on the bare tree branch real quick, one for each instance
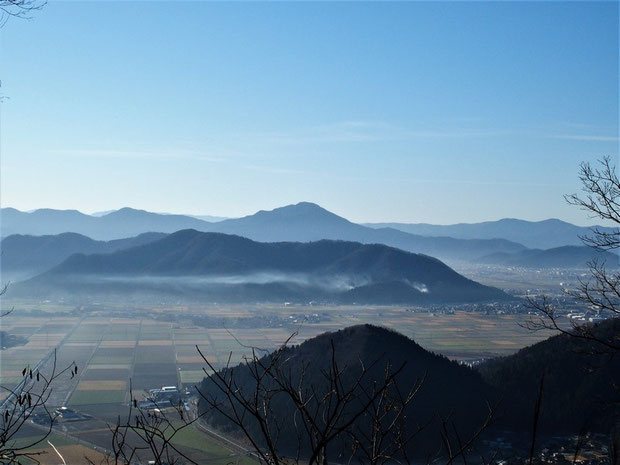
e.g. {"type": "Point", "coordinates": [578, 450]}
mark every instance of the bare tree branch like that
{"type": "Point", "coordinates": [601, 292]}
{"type": "Point", "coordinates": [25, 402]}
{"type": "Point", "coordinates": [19, 9]}
{"type": "Point", "coordinates": [348, 414]}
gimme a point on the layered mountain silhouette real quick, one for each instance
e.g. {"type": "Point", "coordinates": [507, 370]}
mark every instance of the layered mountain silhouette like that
{"type": "Point", "coordinates": [25, 256]}
{"type": "Point", "coordinates": [309, 222]}
{"type": "Point", "coordinates": [497, 242]}
{"type": "Point", "coordinates": [448, 389]}
{"type": "Point", "coordinates": [302, 222]}
{"type": "Point", "coordinates": [219, 267]}
{"type": "Point", "coordinates": [544, 234]}
{"type": "Point", "coordinates": [558, 257]}
{"type": "Point", "coordinates": [118, 224]}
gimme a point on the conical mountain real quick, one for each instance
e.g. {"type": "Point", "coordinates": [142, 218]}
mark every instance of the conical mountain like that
{"type": "Point", "coordinates": [302, 222]}
{"type": "Point", "coordinates": [361, 355]}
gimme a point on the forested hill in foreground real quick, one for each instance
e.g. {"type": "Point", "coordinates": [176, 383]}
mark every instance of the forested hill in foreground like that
{"type": "Point", "coordinates": [223, 267]}
{"type": "Point", "coordinates": [580, 390]}
{"type": "Point", "coordinates": [581, 386]}
{"type": "Point", "coordinates": [448, 389]}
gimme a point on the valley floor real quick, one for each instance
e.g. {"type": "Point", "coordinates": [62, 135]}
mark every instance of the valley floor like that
{"type": "Point", "coordinates": [155, 345]}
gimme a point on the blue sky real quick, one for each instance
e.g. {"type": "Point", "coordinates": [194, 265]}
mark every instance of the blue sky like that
{"type": "Point", "coordinates": [417, 112]}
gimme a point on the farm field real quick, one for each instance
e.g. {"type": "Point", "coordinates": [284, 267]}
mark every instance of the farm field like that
{"type": "Point", "coordinates": [117, 353]}
{"type": "Point", "coordinates": [161, 350]}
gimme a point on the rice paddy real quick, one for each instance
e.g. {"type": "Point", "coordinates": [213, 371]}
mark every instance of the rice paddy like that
{"type": "Point", "coordinates": [112, 351]}
{"type": "Point", "coordinates": [157, 347]}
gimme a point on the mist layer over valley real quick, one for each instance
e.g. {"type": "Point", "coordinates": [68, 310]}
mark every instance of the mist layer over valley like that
{"type": "Point", "coordinates": [160, 295]}
{"type": "Point", "coordinates": [220, 267]}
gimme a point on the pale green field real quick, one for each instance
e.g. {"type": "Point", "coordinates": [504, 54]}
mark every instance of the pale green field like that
{"type": "Point", "coordinates": [114, 352]}
{"type": "Point", "coordinates": [153, 353]}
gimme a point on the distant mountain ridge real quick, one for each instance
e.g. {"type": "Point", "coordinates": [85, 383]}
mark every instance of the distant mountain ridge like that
{"type": "Point", "coordinates": [25, 256]}
{"type": "Point", "coordinates": [224, 267]}
{"type": "Point", "coordinates": [544, 234]}
{"type": "Point", "coordinates": [309, 222]}
{"type": "Point", "coordinates": [306, 222]}
{"type": "Point", "coordinates": [568, 256]}
{"type": "Point", "coordinates": [119, 224]}
{"type": "Point", "coordinates": [302, 222]}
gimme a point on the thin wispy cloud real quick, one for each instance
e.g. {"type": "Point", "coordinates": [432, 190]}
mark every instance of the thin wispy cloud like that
{"type": "Point", "coordinates": [362, 131]}
{"type": "Point", "coordinates": [484, 183]}
{"type": "Point", "coordinates": [586, 126]}
{"type": "Point", "coordinates": [442, 181]}
{"type": "Point", "coordinates": [236, 158]}
{"type": "Point", "coordinates": [275, 170]}
{"type": "Point", "coordinates": [586, 138]}
{"type": "Point", "coordinates": [135, 154]}
{"type": "Point", "coordinates": [378, 131]}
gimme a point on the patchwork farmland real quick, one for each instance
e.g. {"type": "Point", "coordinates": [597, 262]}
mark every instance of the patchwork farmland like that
{"type": "Point", "coordinates": [118, 354]}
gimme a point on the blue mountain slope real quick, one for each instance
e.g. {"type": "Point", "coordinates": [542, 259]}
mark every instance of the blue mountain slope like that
{"type": "Point", "coordinates": [226, 267]}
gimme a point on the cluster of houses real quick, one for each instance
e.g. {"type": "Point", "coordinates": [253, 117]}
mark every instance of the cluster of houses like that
{"type": "Point", "coordinates": [164, 397]}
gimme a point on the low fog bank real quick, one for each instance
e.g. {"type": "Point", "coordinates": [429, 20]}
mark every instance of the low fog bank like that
{"type": "Point", "coordinates": [335, 283]}
{"type": "Point", "coordinates": [273, 287]}
{"type": "Point", "coordinates": [331, 283]}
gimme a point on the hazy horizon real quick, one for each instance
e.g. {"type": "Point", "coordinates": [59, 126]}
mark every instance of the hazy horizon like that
{"type": "Point", "coordinates": [202, 215]}
{"type": "Point", "coordinates": [461, 112]}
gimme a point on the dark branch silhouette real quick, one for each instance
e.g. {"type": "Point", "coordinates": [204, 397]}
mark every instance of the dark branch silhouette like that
{"type": "Point", "coordinates": [149, 435]}
{"type": "Point", "coordinates": [350, 415]}
{"type": "Point", "coordinates": [601, 292]}
{"type": "Point", "coordinates": [19, 9]}
{"type": "Point", "coordinates": [27, 402]}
